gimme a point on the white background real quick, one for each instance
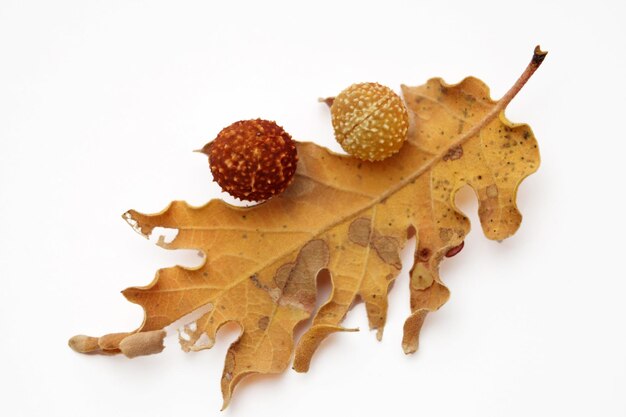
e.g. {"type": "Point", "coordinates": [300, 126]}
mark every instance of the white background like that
{"type": "Point", "coordinates": [102, 102]}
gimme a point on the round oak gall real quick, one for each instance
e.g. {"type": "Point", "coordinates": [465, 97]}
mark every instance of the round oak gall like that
{"type": "Point", "coordinates": [252, 159]}
{"type": "Point", "coordinates": [370, 121]}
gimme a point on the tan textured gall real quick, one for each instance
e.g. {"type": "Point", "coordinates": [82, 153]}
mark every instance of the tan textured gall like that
{"type": "Point", "coordinates": [252, 159]}
{"type": "Point", "coordinates": [370, 121]}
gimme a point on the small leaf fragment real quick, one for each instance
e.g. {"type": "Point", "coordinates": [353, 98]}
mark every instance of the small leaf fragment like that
{"type": "Point", "coordinates": [84, 344]}
{"type": "Point", "coordinates": [143, 343]}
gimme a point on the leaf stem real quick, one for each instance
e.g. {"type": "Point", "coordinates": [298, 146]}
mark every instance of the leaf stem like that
{"type": "Point", "coordinates": [328, 100]}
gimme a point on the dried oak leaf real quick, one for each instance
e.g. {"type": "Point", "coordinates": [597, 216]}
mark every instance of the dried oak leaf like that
{"type": "Point", "coordinates": [341, 215]}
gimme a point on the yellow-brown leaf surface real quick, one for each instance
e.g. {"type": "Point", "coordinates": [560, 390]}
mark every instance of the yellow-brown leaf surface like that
{"type": "Point", "coordinates": [341, 215]}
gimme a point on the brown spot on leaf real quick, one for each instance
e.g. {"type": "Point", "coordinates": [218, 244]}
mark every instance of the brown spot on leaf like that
{"type": "Point", "coordinates": [282, 274]}
{"type": "Point", "coordinates": [255, 280]}
{"type": "Point", "coordinates": [445, 234]}
{"type": "Point", "coordinates": [263, 322]}
{"type": "Point", "coordinates": [424, 254]}
{"type": "Point", "coordinates": [387, 249]}
{"type": "Point", "coordinates": [360, 230]}
{"type": "Point", "coordinates": [453, 154]}
{"type": "Point", "coordinates": [298, 278]}
{"type": "Point", "coordinates": [492, 191]}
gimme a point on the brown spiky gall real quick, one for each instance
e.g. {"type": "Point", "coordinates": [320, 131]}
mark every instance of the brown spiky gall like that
{"type": "Point", "coordinates": [252, 160]}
